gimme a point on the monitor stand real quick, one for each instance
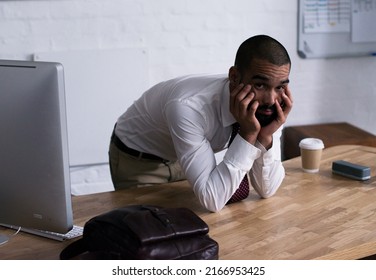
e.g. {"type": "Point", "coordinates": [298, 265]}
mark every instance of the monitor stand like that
{"type": "Point", "coordinates": [3, 239]}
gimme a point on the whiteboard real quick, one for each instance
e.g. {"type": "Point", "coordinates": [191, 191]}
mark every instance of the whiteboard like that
{"type": "Point", "coordinates": [99, 86]}
{"type": "Point", "coordinates": [336, 28]}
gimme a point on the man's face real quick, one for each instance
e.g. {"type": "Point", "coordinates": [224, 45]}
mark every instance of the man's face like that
{"type": "Point", "coordinates": [268, 82]}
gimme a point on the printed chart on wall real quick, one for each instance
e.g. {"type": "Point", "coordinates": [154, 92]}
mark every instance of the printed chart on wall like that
{"type": "Point", "coordinates": [336, 28]}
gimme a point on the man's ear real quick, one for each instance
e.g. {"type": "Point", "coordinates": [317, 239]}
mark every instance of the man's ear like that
{"type": "Point", "coordinates": [234, 76]}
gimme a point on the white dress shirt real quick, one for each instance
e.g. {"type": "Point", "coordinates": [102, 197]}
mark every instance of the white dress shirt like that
{"type": "Point", "coordinates": [188, 119]}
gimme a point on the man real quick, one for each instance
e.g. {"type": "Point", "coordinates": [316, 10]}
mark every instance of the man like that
{"type": "Point", "coordinates": [174, 129]}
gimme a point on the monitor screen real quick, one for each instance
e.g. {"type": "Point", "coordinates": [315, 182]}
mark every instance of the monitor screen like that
{"type": "Point", "coordinates": [34, 164]}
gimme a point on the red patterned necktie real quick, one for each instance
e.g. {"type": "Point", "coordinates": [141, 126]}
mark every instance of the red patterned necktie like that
{"type": "Point", "coordinates": [243, 191]}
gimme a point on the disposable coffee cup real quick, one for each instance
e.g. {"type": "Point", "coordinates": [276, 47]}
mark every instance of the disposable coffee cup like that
{"type": "Point", "coordinates": [310, 151]}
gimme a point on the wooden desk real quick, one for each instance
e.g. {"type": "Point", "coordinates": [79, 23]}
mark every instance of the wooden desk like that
{"type": "Point", "coordinates": [312, 216]}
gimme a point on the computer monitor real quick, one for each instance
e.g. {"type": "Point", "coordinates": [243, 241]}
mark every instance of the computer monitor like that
{"type": "Point", "coordinates": [34, 166]}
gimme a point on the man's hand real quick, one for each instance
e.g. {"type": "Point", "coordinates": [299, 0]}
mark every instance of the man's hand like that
{"type": "Point", "coordinates": [265, 136]}
{"type": "Point", "coordinates": [243, 107]}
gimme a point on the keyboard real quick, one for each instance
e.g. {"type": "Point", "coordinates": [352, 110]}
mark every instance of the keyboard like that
{"type": "Point", "coordinates": [75, 232]}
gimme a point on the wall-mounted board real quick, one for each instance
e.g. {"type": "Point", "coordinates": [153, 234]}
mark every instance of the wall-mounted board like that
{"type": "Point", "coordinates": [336, 28]}
{"type": "Point", "coordinates": [100, 85]}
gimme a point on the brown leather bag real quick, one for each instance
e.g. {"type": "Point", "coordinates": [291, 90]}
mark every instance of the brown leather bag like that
{"type": "Point", "coordinates": [144, 232]}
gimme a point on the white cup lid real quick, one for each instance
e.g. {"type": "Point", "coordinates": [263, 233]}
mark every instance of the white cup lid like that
{"type": "Point", "coordinates": [311, 144]}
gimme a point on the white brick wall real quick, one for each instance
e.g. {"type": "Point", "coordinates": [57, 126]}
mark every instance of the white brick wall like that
{"type": "Point", "coordinates": [91, 179]}
{"type": "Point", "coordinates": [190, 36]}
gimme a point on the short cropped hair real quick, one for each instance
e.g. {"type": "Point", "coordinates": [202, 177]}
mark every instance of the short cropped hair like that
{"type": "Point", "coordinates": [261, 47]}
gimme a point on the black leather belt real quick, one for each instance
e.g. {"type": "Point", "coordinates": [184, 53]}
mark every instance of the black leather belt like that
{"type": "Point", "coordinates": [121, 146]}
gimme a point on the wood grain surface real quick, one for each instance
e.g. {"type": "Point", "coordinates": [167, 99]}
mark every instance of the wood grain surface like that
{"type": "Point", "coordinates": [312, 216]}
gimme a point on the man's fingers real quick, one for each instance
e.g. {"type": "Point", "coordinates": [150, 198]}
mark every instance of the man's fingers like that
{"type": "Point", "coordinates": [240, 98]}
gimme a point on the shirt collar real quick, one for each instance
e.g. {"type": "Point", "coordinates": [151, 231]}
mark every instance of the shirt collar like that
{"type": "Point", "coordinates": [227, 118]}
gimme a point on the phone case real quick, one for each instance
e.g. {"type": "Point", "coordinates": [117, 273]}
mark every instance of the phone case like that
{"type": "Point", "coordinates": [351, 170]}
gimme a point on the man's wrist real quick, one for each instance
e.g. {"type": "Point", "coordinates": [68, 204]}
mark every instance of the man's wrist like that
{"type": "Point", "coordinates": [250, 138]}
{"type": "Point", "coordinates": [267, 142]}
